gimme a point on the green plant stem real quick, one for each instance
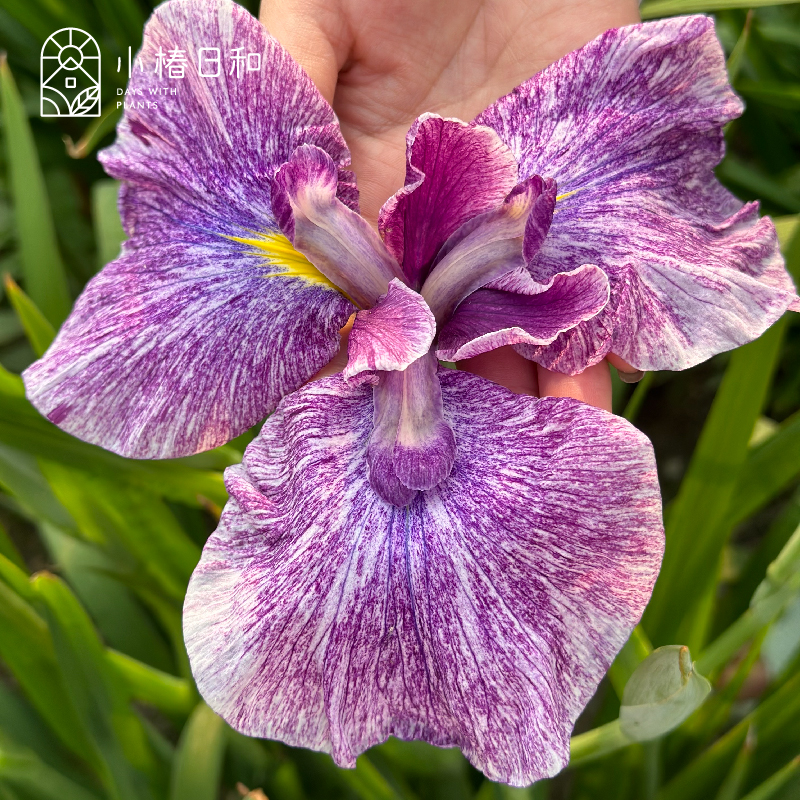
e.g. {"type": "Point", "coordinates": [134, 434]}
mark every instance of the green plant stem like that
{"type": "Point", "coordinates": [597, 743]}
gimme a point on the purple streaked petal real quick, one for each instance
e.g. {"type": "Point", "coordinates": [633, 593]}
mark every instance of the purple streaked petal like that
{"type": "Point", "coordinates": [492, 318]}
{"type": "Point", "coordinates": [454, 171]}
{"type": "Point", "coordinates": [489, 246]}
{"type": "Point", "coordinates": [209, 316]}
{"type": "Point", "coordinates": [393, 334]}
{"type": "Point", "coordinates": [481, 616]}
{"type": "Point", "coordinates": [205, 155]}
{"type": "Point", "coordinates": [178, 347]}
{"type": "Point", "coordinates": [338, 242]}
{"type": "Point", "coordinates": [630, 126]}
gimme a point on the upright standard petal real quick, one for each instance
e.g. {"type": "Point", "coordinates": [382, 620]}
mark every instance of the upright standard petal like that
{"type": "Point", "coordinates": [337, 240]}
{"type": "Point", "coordinates": [454, 171]}
{"type": "Point", "coordinates": [630, 127]}
{"type": "Point", "coordinates": [395, 333]}
{"type": "Point", "coordinates": [210, 315]}
{"type": "Point", "coordinates": [482, 616]}
{"type": "Point", "coordinates": [528, 313]}
{"type": "Point", "coordinates": [489, 246]}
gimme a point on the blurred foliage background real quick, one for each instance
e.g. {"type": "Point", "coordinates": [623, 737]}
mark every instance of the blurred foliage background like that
{"type": "Point", "coordinates": [96, 696]}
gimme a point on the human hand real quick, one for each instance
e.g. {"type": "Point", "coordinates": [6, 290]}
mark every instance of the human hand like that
{"type": "Point", "coordinates": [381, 63]}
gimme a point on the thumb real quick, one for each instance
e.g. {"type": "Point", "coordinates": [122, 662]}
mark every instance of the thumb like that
{"type": "Point", "coordinates": [302, 28]}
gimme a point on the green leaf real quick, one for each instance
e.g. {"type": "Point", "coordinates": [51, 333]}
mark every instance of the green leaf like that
{"type": "Point", "coordinates": [740, 173]}
{"type": "Point", "coordinates": [780, 94]}
{"type": "Point", "coordinates": [773, 785]}
{"type": "Point", "coordinates": [96, 691]}
{"type": "Point", "coordinates": [107, 224]}
{"type": "Point", "coordinates": [597, 743]}
{"type": "Point", "coordinates": [731, 788]}
{"type": "Point", "coordinates": [39, 331]}
{"type": "Point", "coordinates": [696, 529]}
{"type": "Point", "coordinates": [138, 519]}
{"type": "Point", "coordinates": [45, 277]}
{"type": "Point", "coordinates": [22, 427]}
{"type": "Point", "coordinates": [22, 769]}
{"type": "Point", "coordinates": [119, 615]}
{"type": "Point", "coordinates": [703, 776]}
{"type": "Point", "coordinates": [27, 649]}
{"type": "Point", "coordinates": [152, 686]}
{"type": "Point", "coordinates": [198, 761]}
{"type": "Point", "coordinates": [9, 550]}
{"type": "Point", "coordinates": [736, 58]}
{"type": "Point", "coordinates": [767, 471]}
{"type": "Point", "coordinates": [668, 8]}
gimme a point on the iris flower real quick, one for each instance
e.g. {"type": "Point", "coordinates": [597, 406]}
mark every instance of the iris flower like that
{"type": "Point", "coordinates": [410, 550]}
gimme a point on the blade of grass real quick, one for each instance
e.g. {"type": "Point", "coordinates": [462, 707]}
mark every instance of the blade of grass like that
{"type": "Point", "coordinates": [45, 277]}
{"type": "Point", "coordinates": [22, 769]}
{"type": "Point", "coordinates": [152, 686]}
{"type": "Point", "coordinates": [198, 761]}
{"type": "Point", "coordinates": [778, 781]}
{"type": "Point", "coordinates": [116, 733]}
{"type": "Point", "coordinates": [736, 58]}
{"type": "Point", "coordinates": [27, 650]}
{"type": "Point", "coordinates": [669, 8]}
{"type": "Point", "coordinates": [38, 330]}
{"type": "Point", "coordinates": [107, 225]}
{"type": "Point", "coordinates": [23, 428]}
{"type": "Point", "coordinates": [696, 531]}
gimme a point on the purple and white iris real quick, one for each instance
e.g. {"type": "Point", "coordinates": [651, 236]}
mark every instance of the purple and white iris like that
{"type": "Point", "coordinates": [410, 550]}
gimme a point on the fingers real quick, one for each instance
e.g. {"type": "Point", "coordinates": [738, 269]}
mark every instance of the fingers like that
{"type": "Point", "coordinates": [592, 386]}
{"type": "Point", "coordinates": [506, 367]}
{"type": "Point", "coordinates": [309, 32]}
{"type": "Point", "coordinates": [627, 373]}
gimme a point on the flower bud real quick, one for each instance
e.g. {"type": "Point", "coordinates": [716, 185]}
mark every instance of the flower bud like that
{"type": "Point", "coordinates": [662, 692]}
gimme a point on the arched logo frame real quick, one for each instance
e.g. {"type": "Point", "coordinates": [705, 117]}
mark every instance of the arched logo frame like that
{"type": "Point", "coordinates": [70, 75]}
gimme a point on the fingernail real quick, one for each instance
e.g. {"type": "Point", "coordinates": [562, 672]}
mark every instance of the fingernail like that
{"type": "Point", "coordinates": [631, 377]}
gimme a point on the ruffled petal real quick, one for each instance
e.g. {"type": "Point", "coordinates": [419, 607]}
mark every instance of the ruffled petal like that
{"type": "Point", "coordinates": [488, 246]}
{"type": "Point", "coordinates": [630, 127]}
{"type": "Point", "coordinates": [454, 171]}
{"type": "Point", "coordinates": [338, 241]}
{"type": "Point", "coordinates": [210, 316]}
{"type": "Point", "coordinates": [392, 335]}
{"type": "Point", "coordinates": [527, 312]}
{"type": "Point", "coordinates": [481, 616]}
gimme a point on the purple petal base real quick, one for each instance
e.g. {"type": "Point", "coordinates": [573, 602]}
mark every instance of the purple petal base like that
{"type": "Point", "coordinates": [481, 616]}
{"type": "Point", "coordinates": [395, 333]}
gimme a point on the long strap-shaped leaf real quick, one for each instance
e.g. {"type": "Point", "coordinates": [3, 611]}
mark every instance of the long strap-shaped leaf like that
{"type": "Point", "coordinates": [45, 278]}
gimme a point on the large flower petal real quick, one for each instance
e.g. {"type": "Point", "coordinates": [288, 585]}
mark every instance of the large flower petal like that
{"type": "Point", "coordinates": [210, 316]}
{"type": "Point", "coordinates": [630, 127]}
{"type": "Point", "coordinates": [392, 335]}
{"type": "Point", "coordinates": [492, 318]}
{"type": "Point", "coordinates": [454, 172]}
{"type": "Point", "coordinates": [337, 240]}
{"type": "Point", "coordinates": [481, 616]}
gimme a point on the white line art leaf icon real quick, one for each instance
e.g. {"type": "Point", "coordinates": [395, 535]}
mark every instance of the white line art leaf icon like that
{"type": "Point", "coordinates": [85, 101]}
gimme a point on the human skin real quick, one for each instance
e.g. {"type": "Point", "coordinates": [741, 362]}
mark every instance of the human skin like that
{"type": "Point", "coordinates": [382, 63]}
